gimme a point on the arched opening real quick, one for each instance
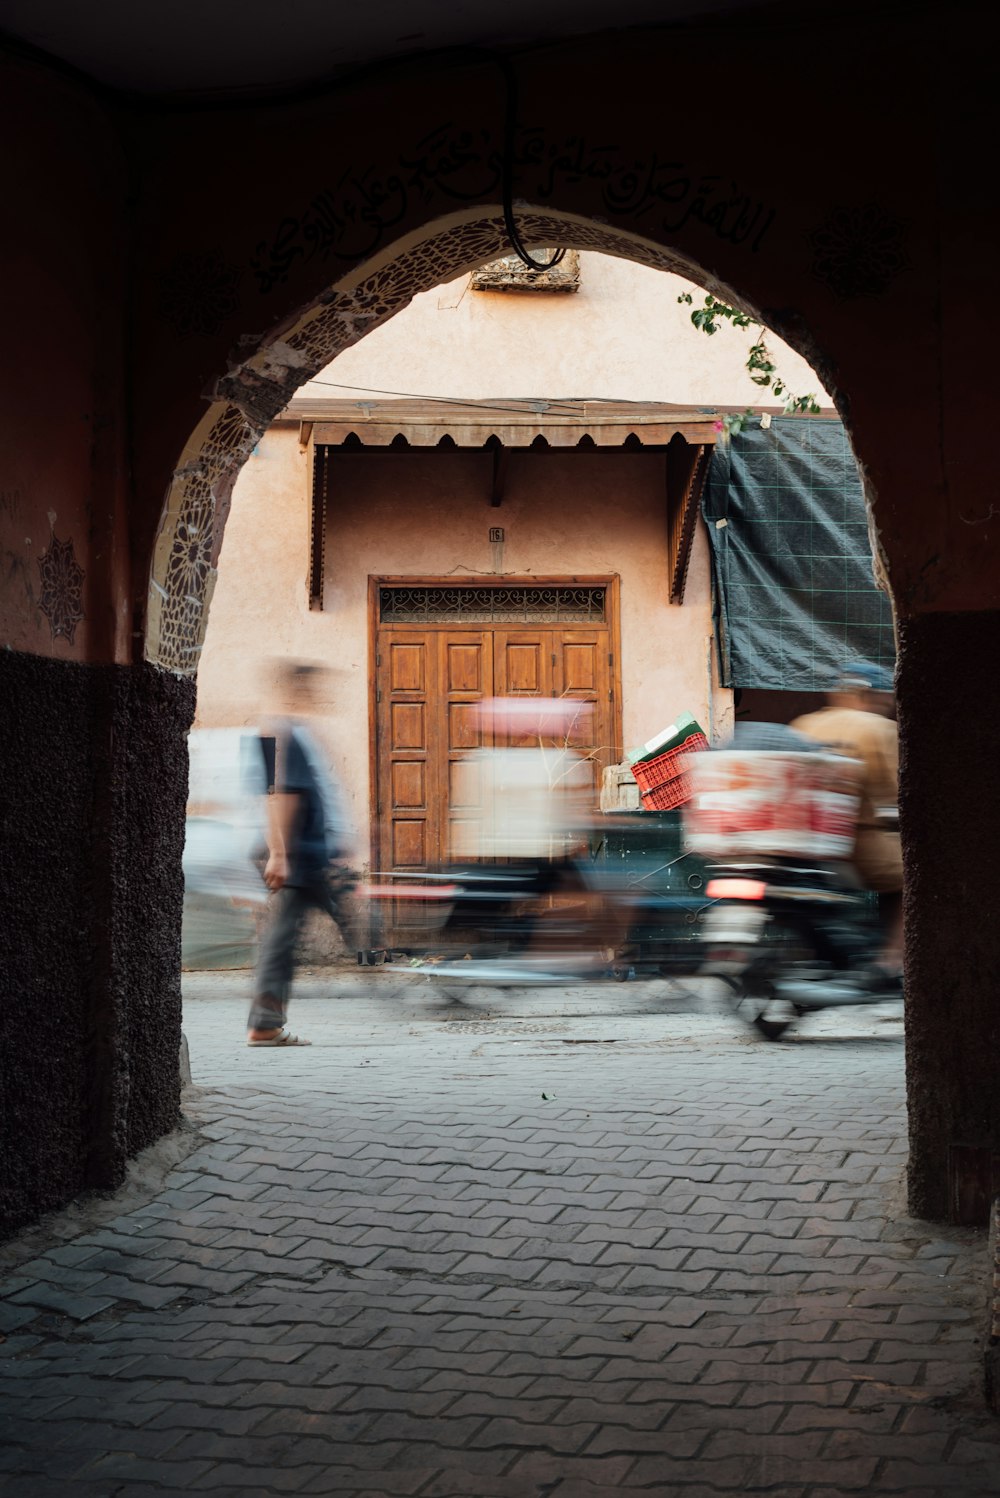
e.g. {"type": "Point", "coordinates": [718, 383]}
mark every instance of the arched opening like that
{"type": "Point", "coordinates": [254, 391]}
{"type": "Point", "coordinates": [575, 487]}
{"type": "Point", "coordinates": [255, 388]}
{"type": "Point", "coordinates": [648, 622]}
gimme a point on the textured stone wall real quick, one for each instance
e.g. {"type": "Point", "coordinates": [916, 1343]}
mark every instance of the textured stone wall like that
{"type": "Point", "coordinates": [153, 711]}
{"type": "Point", "coordinates": [949, 716]}
{"type": "Point", "coordinates": [93, 765]}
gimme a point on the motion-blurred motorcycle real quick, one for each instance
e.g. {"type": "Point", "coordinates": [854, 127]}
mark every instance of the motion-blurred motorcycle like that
{"type": "Point", "coordinates": [626, 904]}
{"type": "Point", "coordinates": [541, 890]}
{"type": "Point", "coordinates": [475, 912]}
{"type": "Point", "coordinates": [789, 930]}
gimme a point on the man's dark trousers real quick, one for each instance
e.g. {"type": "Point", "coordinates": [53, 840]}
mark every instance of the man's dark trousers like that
{"type": "Point", "coordinates": [276, 962]}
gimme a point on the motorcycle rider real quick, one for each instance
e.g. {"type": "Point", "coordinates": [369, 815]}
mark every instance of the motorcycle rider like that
{"type": "Point", "coordinates": [858, 721]}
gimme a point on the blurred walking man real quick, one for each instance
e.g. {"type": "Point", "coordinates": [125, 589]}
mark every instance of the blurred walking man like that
{"type": "Point", "coordinates": [307, 839]}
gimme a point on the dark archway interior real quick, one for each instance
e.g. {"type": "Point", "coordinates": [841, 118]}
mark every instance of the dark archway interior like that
{"type": "Point", "coordinates": [157, 280]}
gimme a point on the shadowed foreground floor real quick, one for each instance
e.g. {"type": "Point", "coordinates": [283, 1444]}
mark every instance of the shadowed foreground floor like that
{"type": "Point", "coordinates": [569, 1244]}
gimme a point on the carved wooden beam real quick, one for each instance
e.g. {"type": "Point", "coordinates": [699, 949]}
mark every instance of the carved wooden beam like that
{"type": "Point", "coordinates": [686, 471]}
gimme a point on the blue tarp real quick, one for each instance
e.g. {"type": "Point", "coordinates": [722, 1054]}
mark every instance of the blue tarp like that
{"type": "Point", "coordinates": [795, 594]}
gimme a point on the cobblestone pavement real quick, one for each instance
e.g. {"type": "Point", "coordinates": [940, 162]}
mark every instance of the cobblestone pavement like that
{"type": "Point", "coordinates": [564, 1244]}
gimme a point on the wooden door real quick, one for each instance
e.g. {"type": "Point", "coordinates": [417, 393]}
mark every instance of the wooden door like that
{"type": "Point", "coordinates": [582, 669]}
{"type": "Point", "coordinates": [426, 684]}
{"type": "Point", "coordinates": [406, 695]}
{"type": "Point", "coordinates": [466, 676]}
{"type": "Point", "coordinates": [574, 663]}
{"type": "Point", "coordinates": [429, 794]}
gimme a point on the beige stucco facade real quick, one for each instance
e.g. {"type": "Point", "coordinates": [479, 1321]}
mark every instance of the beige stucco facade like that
{"type": "Point", "coordinates": [622, 336]}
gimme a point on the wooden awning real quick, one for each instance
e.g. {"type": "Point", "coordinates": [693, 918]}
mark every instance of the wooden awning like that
{"type": "Point", "coordinates": [499, 423]}
{"type": "Point", "coordinates": [686, 435]}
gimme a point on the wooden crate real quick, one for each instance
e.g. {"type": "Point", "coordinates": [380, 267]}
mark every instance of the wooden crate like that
{"type": "Point", "coordinates": [619, 791]}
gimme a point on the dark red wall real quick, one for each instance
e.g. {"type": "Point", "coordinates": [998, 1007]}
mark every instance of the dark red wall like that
{"type": "Point", "coordinates": [65, 253]}
{"type": "Point", "coordinates": [828, 169]}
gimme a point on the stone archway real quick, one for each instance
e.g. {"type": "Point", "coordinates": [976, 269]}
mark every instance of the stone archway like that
{"type": "Point", "coordinates": [844, 260]}
{"type": "Point", "coordinates": [255, 388]}
{"type": "Point", "coordinates": [252, 393]}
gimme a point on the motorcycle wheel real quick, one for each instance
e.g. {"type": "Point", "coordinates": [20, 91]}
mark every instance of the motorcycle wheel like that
{"type": "Point", "coordinates": [770, 1029]}
{"type": "Point", "coordinates": [751, 1003]}
{"type": "Point", "coordinates": [753, 991]}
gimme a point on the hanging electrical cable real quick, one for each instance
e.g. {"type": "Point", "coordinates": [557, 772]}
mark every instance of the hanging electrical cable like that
{"type": "Point", "coordinates": [510, 132]}
{"type": "Point", "coordinates": [563, 406]}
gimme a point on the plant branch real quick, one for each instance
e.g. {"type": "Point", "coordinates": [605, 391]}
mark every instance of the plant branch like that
{"type": "Point", "coordinates": [760, 363]}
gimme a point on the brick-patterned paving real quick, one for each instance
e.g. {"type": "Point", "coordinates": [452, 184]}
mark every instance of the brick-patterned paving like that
{"type": "Point", "coordinates": [504, 1257]}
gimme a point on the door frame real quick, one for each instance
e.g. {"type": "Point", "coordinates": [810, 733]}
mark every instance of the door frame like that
{"type": "Point", "coordinates": [611, 581]}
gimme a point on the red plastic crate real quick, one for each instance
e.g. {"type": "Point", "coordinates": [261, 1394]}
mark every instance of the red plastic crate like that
{"type": "Point", "coordinates": [663, 782]}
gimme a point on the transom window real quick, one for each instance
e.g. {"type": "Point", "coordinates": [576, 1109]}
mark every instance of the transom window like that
{"type": "Point", "coordinates": [517, 604]}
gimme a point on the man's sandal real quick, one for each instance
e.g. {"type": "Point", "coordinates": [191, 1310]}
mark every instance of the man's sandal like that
{"type": "Point", "coordinates": [283, 1038]}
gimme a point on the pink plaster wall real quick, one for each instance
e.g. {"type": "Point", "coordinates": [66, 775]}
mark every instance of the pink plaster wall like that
{"type": "Point", "coordinates": [622, 336]}
{"type": "Point", "coordinates": [260, 612]}
{"type": "Point", "coordinates": [563, 513]}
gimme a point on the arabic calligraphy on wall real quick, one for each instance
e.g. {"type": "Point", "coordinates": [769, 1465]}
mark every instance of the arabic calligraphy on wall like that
{"type": "Point", "coordinates": [349, 220]}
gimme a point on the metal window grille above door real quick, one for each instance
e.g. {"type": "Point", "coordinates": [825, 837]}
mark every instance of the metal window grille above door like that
{"type": "Point", "coordinates": [517, 604]}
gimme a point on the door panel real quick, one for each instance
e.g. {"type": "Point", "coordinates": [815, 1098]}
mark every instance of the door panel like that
{"type": "Point", "coordinates": [408, 666]}
{"type": "Point", "coordinates": [404, 763]}
{"type": "Point", "coordinates": [409, 844]}
{"type": "Point", "coordinates": [466, 676]}
{"type": "Point", "coordinates": [464, 730]}
{"type": "Point", "coordinates": [579, 667]}
{"type": "Point", "coordinates": [525, 667]}
{"type": "Point", "coordinates": [465, 791]}
{"type": "Point", "coordinates": [464, 665]}
{"type": "Point", "coordinates": [409, 785]}
{"type": "Point", "coordinates": [409, 726]}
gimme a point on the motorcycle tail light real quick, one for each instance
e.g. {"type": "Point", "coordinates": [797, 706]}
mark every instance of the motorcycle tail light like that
{"type": "Point", "coordinates": [736, 889]}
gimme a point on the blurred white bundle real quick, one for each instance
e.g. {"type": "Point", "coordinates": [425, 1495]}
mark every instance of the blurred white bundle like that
{"type": "Point", "coordinates": [225, 826]}
{"type": "Point", "coordinates": [223, 887]}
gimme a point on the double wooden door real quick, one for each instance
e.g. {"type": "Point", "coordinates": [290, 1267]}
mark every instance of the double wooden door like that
{"type": "Point", "coordinates": [428, 682]}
